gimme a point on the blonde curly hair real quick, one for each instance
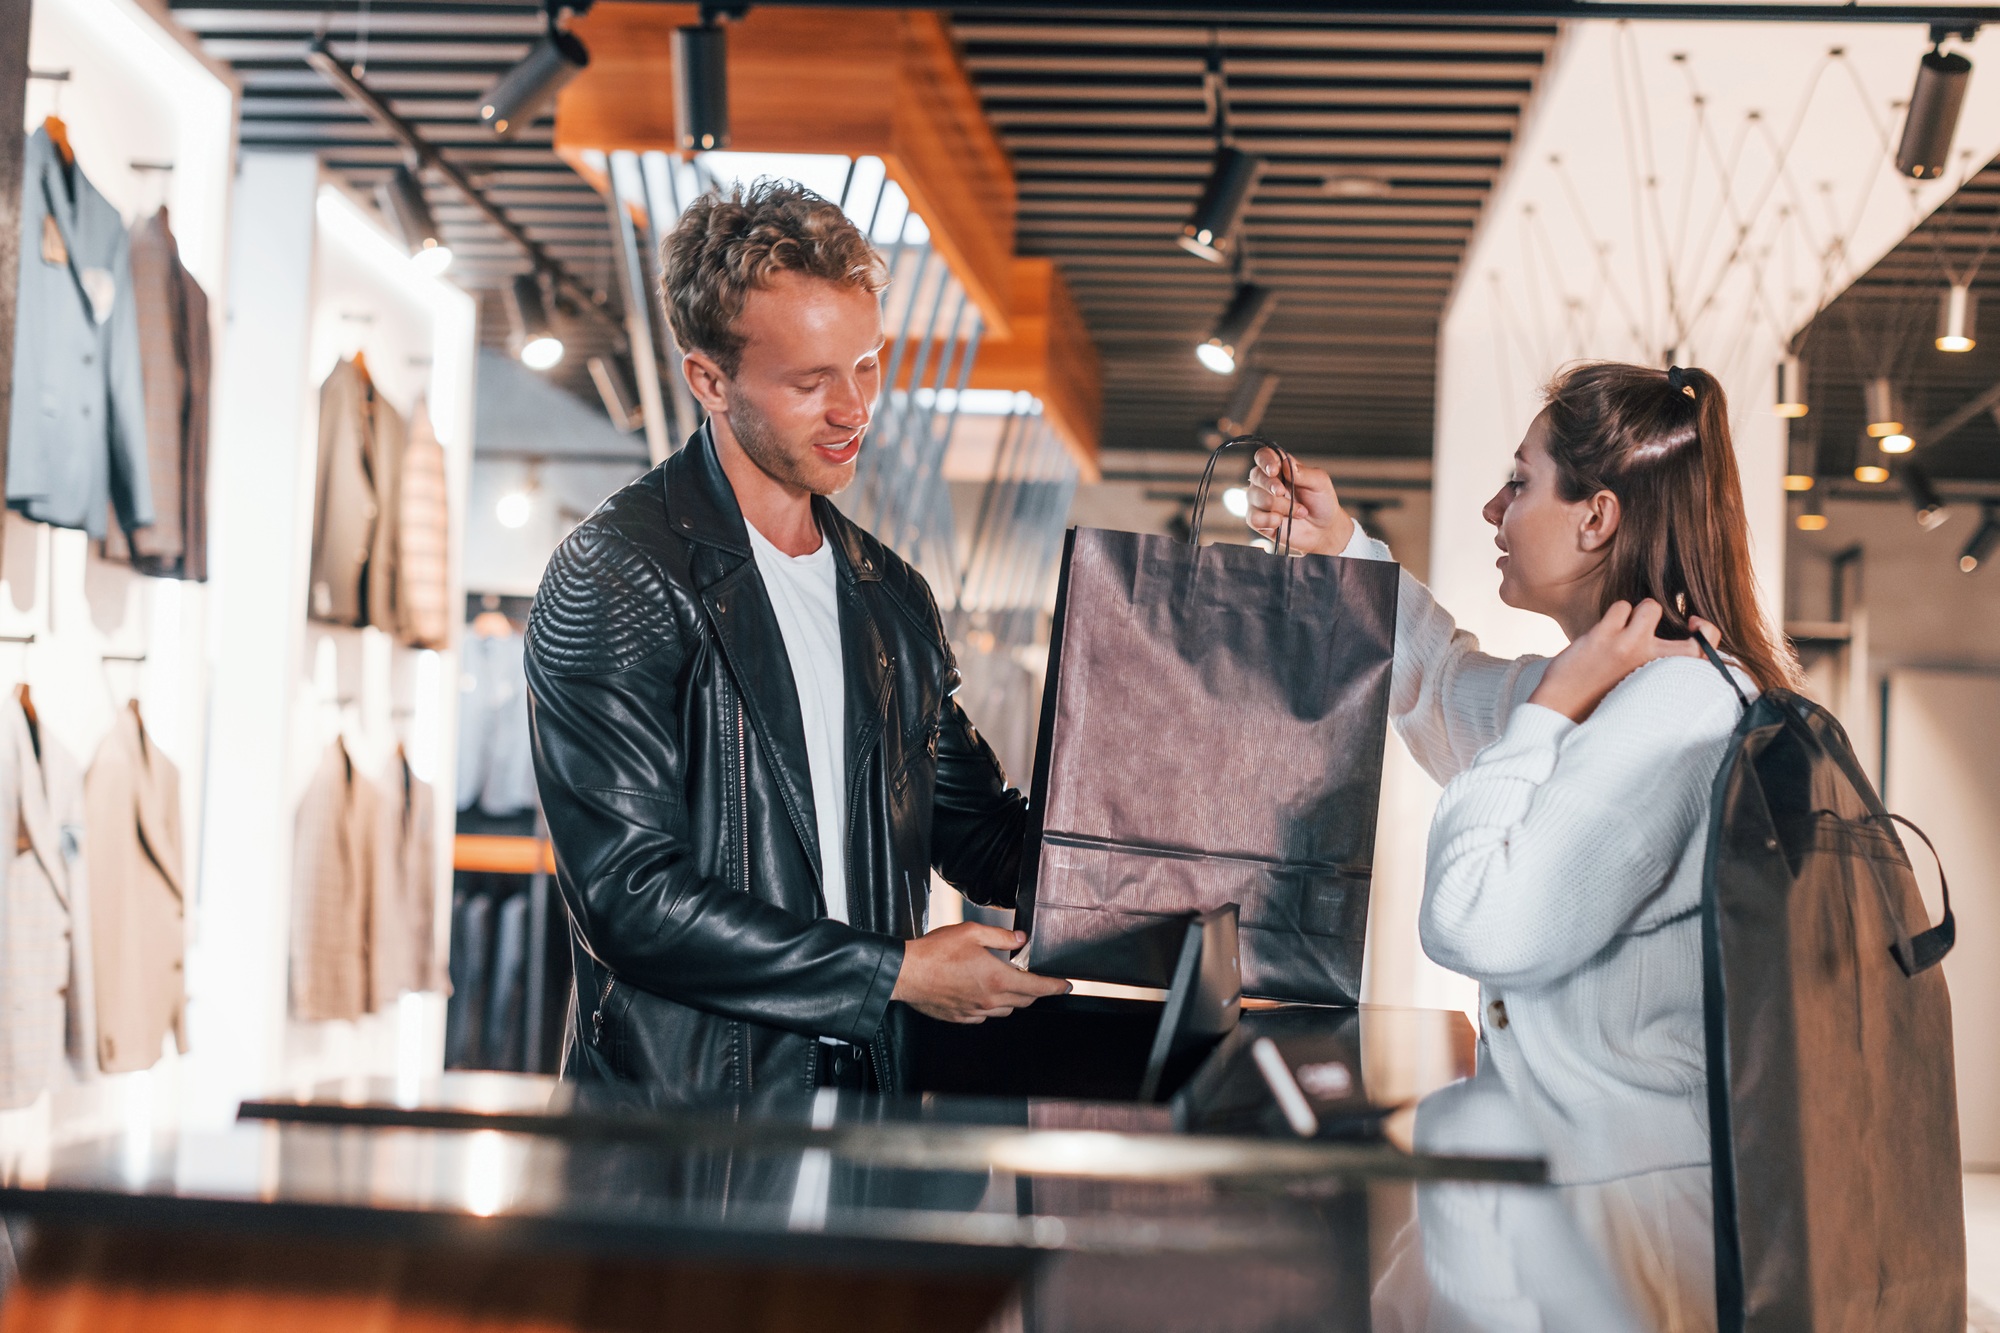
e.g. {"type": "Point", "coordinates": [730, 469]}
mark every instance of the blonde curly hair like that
{"type": "Point", "coordinates": [724, 246]}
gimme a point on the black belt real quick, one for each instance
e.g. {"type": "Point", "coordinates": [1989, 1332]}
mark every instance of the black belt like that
{"type": "Point", "coordinates": [846, 1067]}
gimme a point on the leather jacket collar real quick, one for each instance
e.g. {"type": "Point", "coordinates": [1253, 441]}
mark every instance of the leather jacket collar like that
{"type": "Point", "coordinates": [702, 507]}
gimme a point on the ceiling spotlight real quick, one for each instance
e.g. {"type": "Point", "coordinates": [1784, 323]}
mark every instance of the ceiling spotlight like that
{"type": "Point", "coordinates": [1899, 443]}
{"type": "Point", "coordinates": [1924, 497]}
{"type": "Point", "coordinates": [1242, 320]}
{"type": "Point", "coordinates": [1812, 517]}
{"type": "Point", "coordinates": [522, 93]}
{"type": "Point", "coordinates": [1871, 473]}
{"type": "Point", "coordinates": [403, 199]}
{"type": "Point", "coordinates": [517, 506]}
{"type": "Point", "coordinates": [534, 337]}
{"type": "Point", "coordinates": [1884, 418]}
{"type": "Point", "coordinates": [701, 87]}
{"type": "Point", "coordinates": [1237, 501]}
{"type": "Point", "coordinates": [1248, 402]}
{"type": "Point", "coordinates": [1349, 186]}
{"type": "Point", "coordinates": [1798, 482]}
{"type": "Point", "coordinates": [1984, 538]}
{"type": "Point", "coordinates": [1955, 319]}
{"type": "Point", "coordinates": [1209, 230]}
{"type": "Point", "coordinates": [1791, 397]}
{"type": "Point", "coordinates": [1933, 114]}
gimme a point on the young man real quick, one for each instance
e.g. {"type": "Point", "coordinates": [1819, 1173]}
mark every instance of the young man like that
{"type": "Point", "coordinates": [745, 738]}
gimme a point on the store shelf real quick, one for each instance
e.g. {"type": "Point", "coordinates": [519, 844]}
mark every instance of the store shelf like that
{"type": "Point", "coordinates": [495, 854]}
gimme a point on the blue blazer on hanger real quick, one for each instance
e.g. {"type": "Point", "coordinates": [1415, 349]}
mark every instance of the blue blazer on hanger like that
{"type": "Point", "coordinates": [77, 431]}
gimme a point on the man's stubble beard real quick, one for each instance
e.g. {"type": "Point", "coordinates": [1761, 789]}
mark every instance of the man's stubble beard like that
{"type": "Point", "coordinates": [761, 445]}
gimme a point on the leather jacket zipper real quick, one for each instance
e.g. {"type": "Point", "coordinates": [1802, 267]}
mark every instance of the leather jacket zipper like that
{"type": "Point", "coordinates": [743, 791]}
{"type": "Point", "coordinates": [597, 1014]}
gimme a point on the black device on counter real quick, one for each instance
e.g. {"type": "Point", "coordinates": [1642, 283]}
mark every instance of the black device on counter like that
{"type": "Point", "coordinates": [1203, 1002]}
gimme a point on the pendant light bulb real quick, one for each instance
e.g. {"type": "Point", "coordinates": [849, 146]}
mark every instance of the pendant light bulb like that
{"type": "Point", "coordinates": [534, 337]}
{"type": "Point", "coordinates": [1209, 232]}
{"type": "Point", "coordinates": [523, 92]}
{"type": "Point", "coordinates": [1955, 319]}
{"type": "Point", "coordinates": [1872, 474]}
{"type": "Point", "coordinates": [701, 88]}
{"type": "Point", "coordinates": [1237, 328]}
{"type": "Point", "coordinates": [1933, 115]}
{"type": "Point", "coordinates": [1790, 400]}
{"type": "Point", "coordinates": [1883, 416]}
{"type": "Point", "coordinates": [1812, 516]}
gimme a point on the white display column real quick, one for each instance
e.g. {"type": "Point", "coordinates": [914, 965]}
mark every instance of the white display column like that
{"type": "Point", "coordinates": [321, 282]}
{"type": "Point", "coordinates": [1693, 190]}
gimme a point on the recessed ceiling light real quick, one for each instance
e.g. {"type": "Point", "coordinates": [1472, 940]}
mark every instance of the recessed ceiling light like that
{"type": "Point", "coordinates": [1348, 185]}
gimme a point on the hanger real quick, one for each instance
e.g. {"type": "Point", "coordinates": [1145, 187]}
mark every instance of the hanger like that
{"type": "Point", "coordinates": [361, 364]}
{"type": "Point", "coordinates": [53, 125]}
{"type": "Point", "coordinates": [27, 702]}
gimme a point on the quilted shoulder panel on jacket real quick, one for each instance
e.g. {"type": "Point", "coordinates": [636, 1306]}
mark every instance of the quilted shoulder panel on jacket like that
{"type": "Point", "coordinates": [604, 604]}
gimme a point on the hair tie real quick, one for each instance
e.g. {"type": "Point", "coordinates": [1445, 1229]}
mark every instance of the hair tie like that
{"type": "Point", "coordinates": [1677, 381]}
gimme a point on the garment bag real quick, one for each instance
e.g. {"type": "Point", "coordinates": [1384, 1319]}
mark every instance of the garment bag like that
{"type": "Point", "coordinates": [1211, 733]}
{"type": "Point", "coordinates": [1832, 1109]}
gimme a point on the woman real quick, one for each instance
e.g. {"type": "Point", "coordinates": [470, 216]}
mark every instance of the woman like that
{"type": "Point", "coordinates": [1565, 862]}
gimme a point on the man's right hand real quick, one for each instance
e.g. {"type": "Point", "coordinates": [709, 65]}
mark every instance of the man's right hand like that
{"type": "Point", "coordinates": [1319, 526]}
{"type": "Point", "coordinates": [949, 975]}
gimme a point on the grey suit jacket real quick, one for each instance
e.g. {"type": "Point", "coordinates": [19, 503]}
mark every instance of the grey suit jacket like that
{"type": "Point", "coordinates": [172, 313]}
{"type": "Point", "coordinates": [78, 420]}
{"type": "Point", "coordinates": [132, 800]}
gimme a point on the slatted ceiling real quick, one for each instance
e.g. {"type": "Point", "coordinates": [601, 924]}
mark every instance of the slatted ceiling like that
{"type": "Point", "coordinates": [1894, 308]}
{"type": "Point", "coordinates": [430, 59]}
{"type": "Point", "coordinates": [1106, 122]}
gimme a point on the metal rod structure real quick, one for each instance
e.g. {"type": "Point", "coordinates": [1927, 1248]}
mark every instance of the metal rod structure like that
{"type": "Point", "coordinates": [425, 154]}
{"type": "Point", "coordinates": [623, 168]}
{"type": "Point", "coordinates": [1985, 402]}
{"type": "Point", "coordinates": [1944, 16]}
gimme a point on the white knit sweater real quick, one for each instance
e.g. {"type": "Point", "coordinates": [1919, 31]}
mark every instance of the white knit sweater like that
{"type": "Point", "coordinates": [1564, 875]}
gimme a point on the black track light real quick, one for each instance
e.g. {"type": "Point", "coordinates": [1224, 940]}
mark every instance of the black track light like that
{"type": "Point", "coordinates": [1933, 114]}
{"type": "Point", "coordinates": [1237, 328]}
{"type": "Point", "coordinates": [535, 340]}
{"type": "Point", "coordinates": [403, 199]}
{"type": "Point", "coordinates": [1248, 403]}
{"type": "Point", "coordinates": [701, 87]}
{"type": "Point", "coordinates": [1984, 539]}
{"type": "Point", "coordinates": [1924, 497]}
{"type": "Point", "coordinates": [1210, 230]}
{"type": "Point", "coordinates": [620, 403]}
{"type": "Point", "coordinates": [525, 90]}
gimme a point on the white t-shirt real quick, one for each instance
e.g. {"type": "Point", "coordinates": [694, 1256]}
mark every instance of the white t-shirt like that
{"type": "Point", "coordinates": [802, 594]}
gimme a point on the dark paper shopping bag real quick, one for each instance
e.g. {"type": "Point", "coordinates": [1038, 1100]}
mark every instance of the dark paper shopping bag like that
{"type": "Point", "coordinates": [1211, 733]}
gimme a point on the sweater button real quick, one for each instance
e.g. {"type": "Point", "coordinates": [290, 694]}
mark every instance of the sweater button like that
{"type": "Point", "coordinates": [1496, 1012]}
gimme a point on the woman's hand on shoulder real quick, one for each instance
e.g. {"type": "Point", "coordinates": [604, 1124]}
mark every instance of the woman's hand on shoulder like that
{"type": "Point", "coordinates": [1319, 525]}
{"type": "Point", "coordinates": [1625, 639]}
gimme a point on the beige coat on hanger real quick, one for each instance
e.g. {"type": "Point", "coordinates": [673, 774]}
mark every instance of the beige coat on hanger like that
{"type": "Point", "coordinates": [334, 865]}
{"type": "Point", "coordinates": [132, 797]}
{"type": "Point", "coordinates": [45, 952]}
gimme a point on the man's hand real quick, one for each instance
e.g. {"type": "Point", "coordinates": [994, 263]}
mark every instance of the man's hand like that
{"type": "Point", "coordinates": [1581, 675]}
{"type": "Point", "coordinates": [1319, 525]}
{"type": "Point", "coordinates": [949, 975]}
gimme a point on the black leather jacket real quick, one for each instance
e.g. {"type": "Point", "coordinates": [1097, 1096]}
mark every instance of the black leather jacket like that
{"type": "Point", "coordinates": [672, 765]}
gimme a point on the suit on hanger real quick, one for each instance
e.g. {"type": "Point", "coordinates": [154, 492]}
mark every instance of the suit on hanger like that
{"type": "Point", "coordinates": [77, 439]}
{"type": "Point", "coordinates": [423, 535]}
{"type": "Point", "coordinates": [334, 864]}
{"type": "Point", "coordinates": [172, 314]}
{"type": "Point", "coordinates": [402, 930]}
{"type": "Point", "coordinates": [45, 949]}
{"type": "Point", "coordinates": [360, 446]}
{"type": "Point", "coordinates": [132, 798]}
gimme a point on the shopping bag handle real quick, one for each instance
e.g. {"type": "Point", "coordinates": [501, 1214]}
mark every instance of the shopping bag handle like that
{"type": "Point", "coordinates": [1918, 953]}
{"type": "Point", "coordinates": [1208, 477]}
